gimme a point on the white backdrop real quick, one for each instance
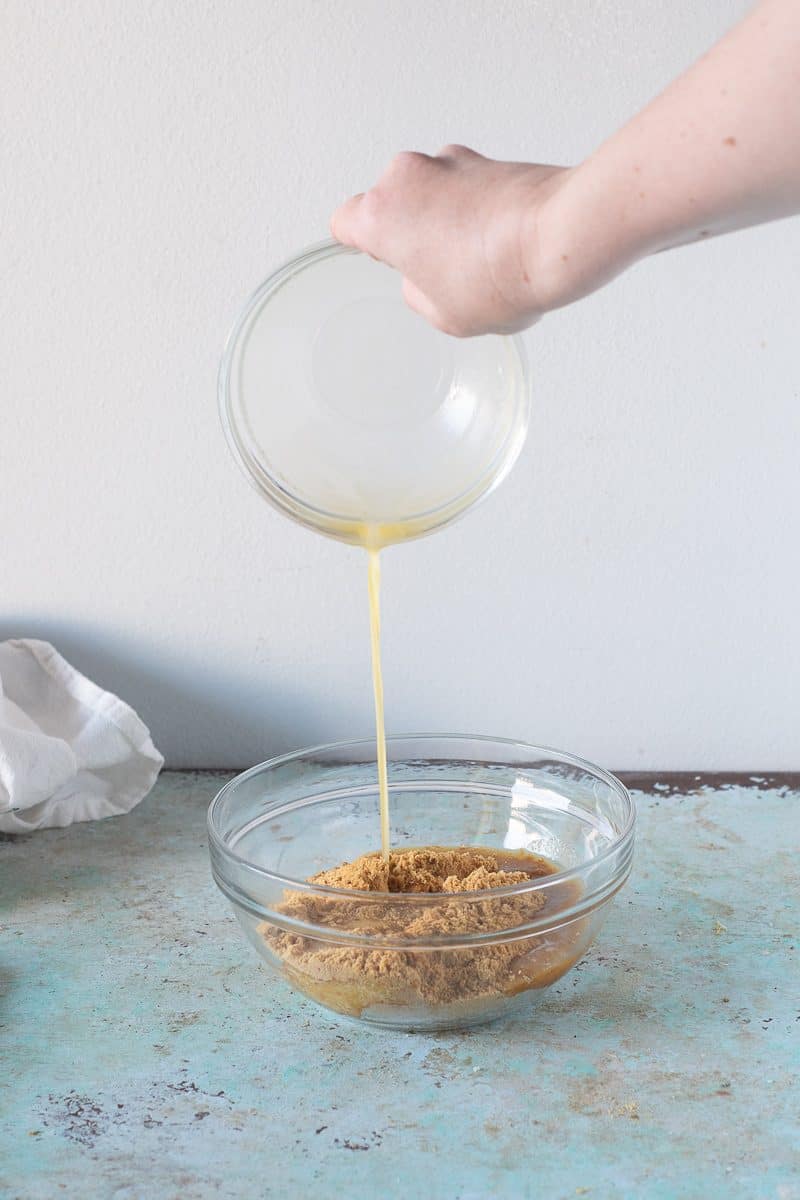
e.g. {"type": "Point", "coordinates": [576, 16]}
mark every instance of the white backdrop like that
{"type": "Point", "coordinates": [631, 593]}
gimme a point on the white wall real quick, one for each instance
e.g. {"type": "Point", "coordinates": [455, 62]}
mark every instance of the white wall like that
{"type": "Point", "coordinates": [631, 593]}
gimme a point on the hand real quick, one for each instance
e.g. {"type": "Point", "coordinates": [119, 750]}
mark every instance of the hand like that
{"type": "Point", "coordinates": [488, 246]}
{"type": "Point", "coordinates": [469, 235]}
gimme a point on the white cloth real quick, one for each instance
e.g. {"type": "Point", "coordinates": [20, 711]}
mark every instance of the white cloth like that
{"type": "Point", "coordinates": [68, 750]}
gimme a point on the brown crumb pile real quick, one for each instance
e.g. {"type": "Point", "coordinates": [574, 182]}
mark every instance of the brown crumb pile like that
{"type": "Point", "coordinates": [432, 869]}
{"type": "Point", "coordinates": [351, 978]}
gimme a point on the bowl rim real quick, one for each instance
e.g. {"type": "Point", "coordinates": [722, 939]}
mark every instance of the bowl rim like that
{"type": "Point", "coordinates": [537, 883]}
{"type": "Point", "coordinates": [336, 525]}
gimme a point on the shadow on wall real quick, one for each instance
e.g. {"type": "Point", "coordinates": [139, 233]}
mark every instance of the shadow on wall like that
{"type": "Point", "coordinates": [187, 706]}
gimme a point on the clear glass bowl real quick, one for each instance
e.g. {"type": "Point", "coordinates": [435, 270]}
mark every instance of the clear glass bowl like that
{"type": "Point", "coordinates": [372, 955]}
{"type": "Point", "coordinates": [352, 415]}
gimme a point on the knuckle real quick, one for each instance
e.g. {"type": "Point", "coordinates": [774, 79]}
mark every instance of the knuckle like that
{"type": "Point", "coordinates": [407, 162]}
{"type": "Point", "coordinates": [454, 150]}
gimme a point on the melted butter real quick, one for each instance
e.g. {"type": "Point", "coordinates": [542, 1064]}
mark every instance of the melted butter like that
{"type": "Point", "coordinates": [374, 538]}
{"type": "Point", "coordinates": [378, 534]}
{"type": "Point", "coordinates": [377, 688]}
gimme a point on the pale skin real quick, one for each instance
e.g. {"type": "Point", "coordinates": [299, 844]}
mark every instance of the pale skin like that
{"type": "Point", "coordinates": [486, 246]}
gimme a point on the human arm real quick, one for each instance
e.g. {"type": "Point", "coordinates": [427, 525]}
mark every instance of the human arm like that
{"type": "Point", "coordinates": [489, 246]}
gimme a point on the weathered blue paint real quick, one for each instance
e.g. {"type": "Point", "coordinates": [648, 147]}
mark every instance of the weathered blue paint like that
{"type": "Point", "coordinates": [149, 1054]}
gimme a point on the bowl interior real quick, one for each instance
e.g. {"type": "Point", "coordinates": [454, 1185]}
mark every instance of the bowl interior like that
{"type": "Point", "coordinates": [349, 410]}
{"type": "Point", "coordinates": [310, 812]}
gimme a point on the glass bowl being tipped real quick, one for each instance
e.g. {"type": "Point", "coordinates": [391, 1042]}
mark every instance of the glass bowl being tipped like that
{"type": "Point", "coordinates": [354, 416]}
{"type": "Point", "coordinates": [409, 960]}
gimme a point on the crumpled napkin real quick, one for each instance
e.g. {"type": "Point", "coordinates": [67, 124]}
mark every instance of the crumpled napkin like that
{"type": "Point", "coordinates": [68, 750]}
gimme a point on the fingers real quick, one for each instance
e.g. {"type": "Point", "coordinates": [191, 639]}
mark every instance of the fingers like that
{"type": "Point", "coordinates": [418, 301]}
{"type": "Point", "coordinates": [359, 221]}
{"type": "Point", "coordinates": [344, 222]}
{"type": "Point", "coordinates": [377, 221]}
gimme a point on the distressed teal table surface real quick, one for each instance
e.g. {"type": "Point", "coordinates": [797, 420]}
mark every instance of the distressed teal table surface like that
{"type": "Point", "coordinates": [147, 1053]}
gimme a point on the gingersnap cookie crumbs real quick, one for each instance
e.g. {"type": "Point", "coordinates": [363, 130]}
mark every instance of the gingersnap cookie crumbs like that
{"type": "Point", "coordinates": [352, 978]}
